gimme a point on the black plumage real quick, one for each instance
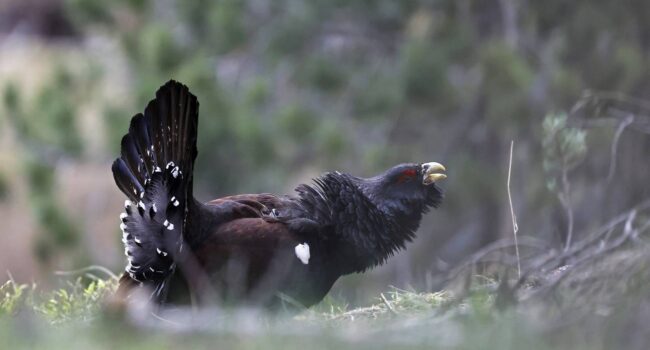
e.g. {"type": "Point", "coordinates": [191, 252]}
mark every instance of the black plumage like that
{"type": "Point", "coordinates": [254, 248]}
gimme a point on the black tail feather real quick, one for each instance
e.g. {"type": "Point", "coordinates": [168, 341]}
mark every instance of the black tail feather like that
{"type": "Point", "coordinates": [155, 173]}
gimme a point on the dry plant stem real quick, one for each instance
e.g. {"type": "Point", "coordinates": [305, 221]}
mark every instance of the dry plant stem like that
{"type": "Point", "coordinates": [621, 127]}
{"type": "Point", "coordinates": [388, 305]}
{"type": "Point", "coordinates": [496, 246]}
{"type": "Point", "coordinates": [515, 228]}
{"type": "Point", "coordinates": [628, 233]}
{"type": "Point", "coordinates": [565, 199]}
{"type": "Point", "coordinates": [86, 269]}
{"type": "Point", "coordinates": [554, 260]}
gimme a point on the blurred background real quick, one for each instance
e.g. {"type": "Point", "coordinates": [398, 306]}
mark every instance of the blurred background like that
{"type": "Point", "coordinates": [290, 89]}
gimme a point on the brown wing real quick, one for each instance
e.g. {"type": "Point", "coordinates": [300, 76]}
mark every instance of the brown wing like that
{"type": "Point", "coordinates": [250, 258]}
{"type": "Point", "coordinates": [262, 201]}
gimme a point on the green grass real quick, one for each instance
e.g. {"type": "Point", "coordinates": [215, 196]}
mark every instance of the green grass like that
{"type": "Point", "coordinates": [79, 317]}
{"type": "Point", "coordinates": [78, 302]}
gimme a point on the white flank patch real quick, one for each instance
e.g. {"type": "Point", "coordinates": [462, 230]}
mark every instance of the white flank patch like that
{"type": "Point", "coordinates": [175, 172]}
{"type": "Point", "coordinates": [155, 210]}
{"type": "Point", "coordinates": [302, 252]}
{"type": "Point", "coordinates": [170, 227]}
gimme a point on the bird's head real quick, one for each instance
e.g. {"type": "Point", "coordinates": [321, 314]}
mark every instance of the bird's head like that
{"type": "Point", "coordinates": [406, 189]}
{"type": "Point", "coordinates": [374, 216]}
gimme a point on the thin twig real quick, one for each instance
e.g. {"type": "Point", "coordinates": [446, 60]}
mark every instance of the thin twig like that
{"type": "Point", "coordinates": [565, 199]}
{"type": "Point", "coordinates": [621, 127]}
{"type": "Point", "coordinates": [515, 228]}
{"type": "Point", "coordinates": [388, 305]}
{"type": "Point", "coordinates": [628, 233]}
{"type": "Point", "coordinates": [86, 269]}
{"type": "Point", "coordinates": [170, 322]}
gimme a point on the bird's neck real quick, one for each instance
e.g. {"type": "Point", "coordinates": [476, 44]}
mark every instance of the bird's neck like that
{"type": "Point", "coordinates": [366, 230]}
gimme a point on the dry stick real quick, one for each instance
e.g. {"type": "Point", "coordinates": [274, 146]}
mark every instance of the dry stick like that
{"type": "Point", "coordinates": [628, 232]}
{"type": "Point", "coordinates": [86, 269]}
{"type": "Point", "coordinates": [553, 259]}
{"type": "Point", "coordinates": [480, 255]}
{"type": "Point", "coordinates": [621, 127]}
{"type": "Point", "coordinates": [515, 228]}
{"type": "Point", "coordinates": [388, 305]}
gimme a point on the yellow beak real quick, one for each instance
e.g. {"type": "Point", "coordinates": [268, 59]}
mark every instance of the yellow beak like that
{"type": "Point", "coordinates": [432, 172]}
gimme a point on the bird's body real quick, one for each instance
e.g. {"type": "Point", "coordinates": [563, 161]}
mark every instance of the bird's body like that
{"type": "Point", "coordinates": [258, 248]}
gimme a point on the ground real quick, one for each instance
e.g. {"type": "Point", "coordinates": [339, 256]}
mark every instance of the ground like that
{"type": "Point", "coordinates": [601, 306]}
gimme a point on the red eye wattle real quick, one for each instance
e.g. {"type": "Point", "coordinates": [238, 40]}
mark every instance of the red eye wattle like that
{"type": "Point", "coordinates": [406, 175]}
{"type": "Point", "coordinates": [409, 172]}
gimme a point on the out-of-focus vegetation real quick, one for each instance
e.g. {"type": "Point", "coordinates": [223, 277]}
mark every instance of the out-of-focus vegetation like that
{"type": "Point", "coordinates": [289, 89]}
{"type": "Point", "coordinates": [599, 305]}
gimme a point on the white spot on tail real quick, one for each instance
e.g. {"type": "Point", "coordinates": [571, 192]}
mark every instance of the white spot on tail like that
{"type": "Point", "coordinates": [169, 225]}
{"type": "Point", "coordinates": [137, 240]}
{"type": "Point", "coordinates": [302, 252]}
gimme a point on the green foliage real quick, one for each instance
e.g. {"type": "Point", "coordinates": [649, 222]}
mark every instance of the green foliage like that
{"type": "Point", "coordinates": [58, 232]}
{"type": "Point", "coordinates": [225, 25]}
{"type": "Point", "coordinates": [322, 74]}
{"type": "Point", "coordinates": [377, 98]}
{"type": "Point", "coordinates": [424, 72]}
{"type": "Point", "coordinates": [11, 97]}
{"type": "Point", "coordinates": [290, 35]}
{"type": "Point", "coordinates": [80, 301]}
{"type": "Point", "coordinates": [4, 186]}
{"type": "Point", "coordinates": [46, 131]}
{"type": "Point", "coordinates": [299, 122]}
{"type": "Point", "coordinates": [507, 78]}
{"type": "Point", "coordinates": [13, 297]}
{"type": "Point", "coordinates": [564, 147]}
{"type": "Point", "coordinates": [53, 122]}
{"type": "Point", "coordinates": [88, 11]}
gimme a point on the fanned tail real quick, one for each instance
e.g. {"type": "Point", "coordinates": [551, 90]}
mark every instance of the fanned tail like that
{"type": "Point", "coordinates": [155, 172]}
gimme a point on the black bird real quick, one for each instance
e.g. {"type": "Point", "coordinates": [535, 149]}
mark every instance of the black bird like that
{"type": "Point", "coordinates": [261, 249]}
